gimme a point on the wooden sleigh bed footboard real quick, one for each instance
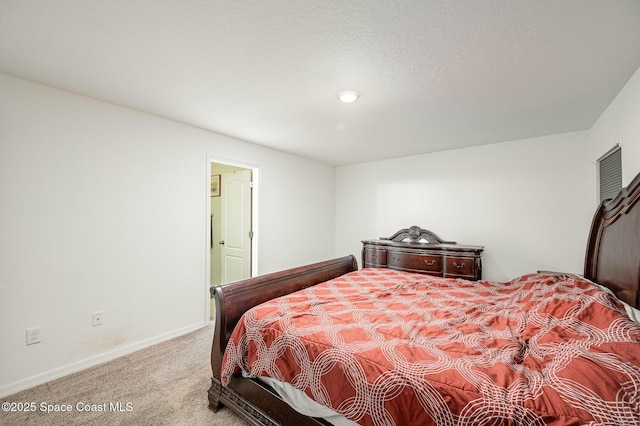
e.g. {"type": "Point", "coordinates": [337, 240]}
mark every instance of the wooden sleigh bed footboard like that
{"type": "Point", "coordinates": [234, 299]}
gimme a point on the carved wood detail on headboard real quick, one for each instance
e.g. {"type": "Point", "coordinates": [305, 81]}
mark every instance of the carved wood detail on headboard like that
{"type": "Point", "coordinates": [415, 234]}
{"type": "Point", "coordinates": [613, 249]}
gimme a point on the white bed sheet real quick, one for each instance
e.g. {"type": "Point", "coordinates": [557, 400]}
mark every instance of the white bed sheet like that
{"type": "Point", "coordinates": [305, 405]}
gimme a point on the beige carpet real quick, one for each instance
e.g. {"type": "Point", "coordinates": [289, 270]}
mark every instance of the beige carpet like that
{"type": "Point", "coordinates": [165, 384]}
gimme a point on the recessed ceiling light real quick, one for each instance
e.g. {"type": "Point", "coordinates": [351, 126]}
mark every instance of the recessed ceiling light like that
{"type": "Point", "coordinates": [348, 97]}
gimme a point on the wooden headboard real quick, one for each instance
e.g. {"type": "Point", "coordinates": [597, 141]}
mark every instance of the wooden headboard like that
{"type": "Point", "coordinates": [613, 248]}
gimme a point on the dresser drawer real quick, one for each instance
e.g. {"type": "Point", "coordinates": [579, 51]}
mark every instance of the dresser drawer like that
{"type": "Point", "coordinates": [444, 259]}
{"type": "Point", "coordinates": [374, 258]}
{"type": "Point", "coordinates": [415, 262]}
{"type": "Point", "coordinates": [460, 266]}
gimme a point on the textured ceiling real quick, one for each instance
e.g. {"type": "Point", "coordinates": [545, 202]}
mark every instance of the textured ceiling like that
{"type": "Point", "coordinates": [433, 75]}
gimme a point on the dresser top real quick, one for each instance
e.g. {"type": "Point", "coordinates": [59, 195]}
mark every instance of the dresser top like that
{"type": "Point", "coordinates": [423, 246]}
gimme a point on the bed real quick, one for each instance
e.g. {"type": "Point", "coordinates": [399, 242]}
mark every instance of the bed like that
{"type": "Point", "coordinates": [381, 346]}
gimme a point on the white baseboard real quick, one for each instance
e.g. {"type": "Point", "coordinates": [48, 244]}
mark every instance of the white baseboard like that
{"type": "Point", "coordinates": [74, 367]}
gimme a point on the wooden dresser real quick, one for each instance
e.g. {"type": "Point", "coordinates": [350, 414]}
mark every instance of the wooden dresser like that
{"type": "Point", "coordinates": [419, 250]}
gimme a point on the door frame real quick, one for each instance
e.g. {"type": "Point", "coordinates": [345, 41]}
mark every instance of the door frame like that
{"type": "Point", "coordinates": [255, 168]}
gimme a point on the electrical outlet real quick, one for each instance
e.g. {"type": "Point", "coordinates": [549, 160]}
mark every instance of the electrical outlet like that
{"type": "Point", "coordinates": [33, 335]}
{"type": "Point", "coordinates": [97, 318]}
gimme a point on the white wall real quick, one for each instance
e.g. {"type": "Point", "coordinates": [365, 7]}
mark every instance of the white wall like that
{"type": "Point", "coordinates": [525, 201]}
{"type": "Point", "coordinates": [104, 209]}
{"type": "Point", "coordinates": [529, 202]}
{"type": "Point", "coordinates": [620, 123]}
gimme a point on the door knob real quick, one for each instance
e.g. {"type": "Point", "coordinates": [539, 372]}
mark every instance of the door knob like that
{"type": "Point", "coordinates": [221, 242]}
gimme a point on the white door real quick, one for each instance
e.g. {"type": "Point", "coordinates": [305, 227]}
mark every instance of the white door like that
{"type": "Point", "coordinates": [235, 231]}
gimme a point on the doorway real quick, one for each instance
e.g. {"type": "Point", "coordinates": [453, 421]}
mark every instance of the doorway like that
{"type": "Point", "coordinates": [232, 229]}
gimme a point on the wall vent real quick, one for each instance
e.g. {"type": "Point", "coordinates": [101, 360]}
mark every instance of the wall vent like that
{"type": "Point", "coordinates": [610, 173]}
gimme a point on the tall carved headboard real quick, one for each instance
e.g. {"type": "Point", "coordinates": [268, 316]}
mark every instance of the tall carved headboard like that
{"type": "Point", "coordinates": [613, 248]}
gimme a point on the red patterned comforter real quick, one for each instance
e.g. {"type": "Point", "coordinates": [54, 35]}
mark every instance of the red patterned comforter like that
{"type": "Point", "coordinates": [384, 347]}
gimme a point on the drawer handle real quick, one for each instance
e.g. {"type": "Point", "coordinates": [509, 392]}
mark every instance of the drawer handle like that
{"type": "Point", "coordinates": [460, 266]}
{"type": "Point", "coordinates": [433, 262]}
